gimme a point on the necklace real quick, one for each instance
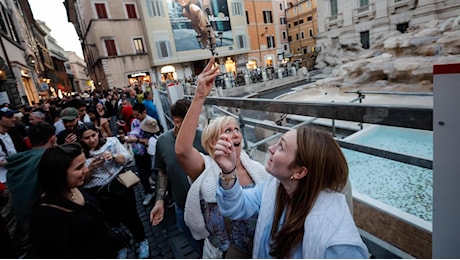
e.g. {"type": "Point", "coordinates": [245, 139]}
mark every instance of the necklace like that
{"type": "Point", "coordinates": [73, 194]}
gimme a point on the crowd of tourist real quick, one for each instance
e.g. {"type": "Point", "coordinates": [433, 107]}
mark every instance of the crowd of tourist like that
{"type": "Point", "coordinates": [59, 156]}
{"type": "Point", "coordinates": [101, 123]}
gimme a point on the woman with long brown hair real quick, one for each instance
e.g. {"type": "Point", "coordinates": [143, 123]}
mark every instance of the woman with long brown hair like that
{"type": "Point", "coordinates": [302, 213]}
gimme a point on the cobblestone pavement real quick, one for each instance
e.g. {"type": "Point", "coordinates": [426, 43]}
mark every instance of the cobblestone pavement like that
{"type": "Point", "coordinates": [165, 240]}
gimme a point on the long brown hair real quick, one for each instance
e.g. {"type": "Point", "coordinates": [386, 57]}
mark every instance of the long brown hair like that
{"type": "Point", "coordinates": [327, 170]}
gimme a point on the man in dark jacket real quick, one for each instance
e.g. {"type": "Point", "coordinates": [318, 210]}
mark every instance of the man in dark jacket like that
{"type": "Point", "coordinates": [22, 175]}
{"type": "Point", "coordinates": [70, 119]}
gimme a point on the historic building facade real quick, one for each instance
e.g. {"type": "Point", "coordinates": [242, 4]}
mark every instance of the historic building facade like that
{"type": "Point", "coordinates": [27, 71]}
{"type": "Point", "coordinates": [17, 59]}
{"type": "Point", "coordinates": [113, 42]}
{"type": "Point", "coordinates": [347, 23]}
{"type": "Point", "coordinates": [302, 27]}
{"type": "Point", "coordinates": [77, 66]}
{"type": "Point", "coordinates": [138, 42]}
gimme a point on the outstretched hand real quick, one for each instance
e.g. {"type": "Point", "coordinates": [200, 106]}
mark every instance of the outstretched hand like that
{"type": "Point", "coordinates": [157, 213]}
{"type": "Point", "coordinates": [206, 79]}
{"type": "Point", "coordinates": [225, 153]}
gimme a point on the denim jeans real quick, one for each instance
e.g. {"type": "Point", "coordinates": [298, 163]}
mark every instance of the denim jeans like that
{"type": "Point", "coordinates": [180, 222]}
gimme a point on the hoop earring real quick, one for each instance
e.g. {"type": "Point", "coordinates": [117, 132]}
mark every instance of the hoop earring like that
{"type": "Point", "coordinates": [291, 178]}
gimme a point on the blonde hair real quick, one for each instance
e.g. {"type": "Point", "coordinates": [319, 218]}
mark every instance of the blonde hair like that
{"type": "Point", "coordinates": [212, 132]}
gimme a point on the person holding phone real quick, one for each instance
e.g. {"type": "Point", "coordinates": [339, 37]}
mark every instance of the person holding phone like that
{"type": "Point", "coordinates": [106, 157]}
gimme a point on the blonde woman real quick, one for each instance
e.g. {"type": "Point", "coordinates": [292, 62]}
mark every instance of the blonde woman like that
{"type": "Point", "coordinates": [223, 238]}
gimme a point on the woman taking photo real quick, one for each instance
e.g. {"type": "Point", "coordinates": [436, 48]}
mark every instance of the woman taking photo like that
{"type": "Point", "coordinates": [106, 158]}
{"type": "Point", "coordinates": [232, 240]}
{"type": "Point", "coordinates": [66, 223]}
{"type": "Point", "coordinates": [301, 212]}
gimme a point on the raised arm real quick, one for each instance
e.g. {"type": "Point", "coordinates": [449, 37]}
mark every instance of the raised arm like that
{"type": "Point", "coordinates": [188, 156]}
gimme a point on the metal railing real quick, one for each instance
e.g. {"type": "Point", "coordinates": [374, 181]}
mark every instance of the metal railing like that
{"type": "Point", "coordinates": [415, 117]}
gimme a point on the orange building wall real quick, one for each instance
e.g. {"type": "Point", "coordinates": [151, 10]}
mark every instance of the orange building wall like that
{"type": "Point", "coordinates": [257, 31]}
{"type": "Point", "coordinates": [297, 46]}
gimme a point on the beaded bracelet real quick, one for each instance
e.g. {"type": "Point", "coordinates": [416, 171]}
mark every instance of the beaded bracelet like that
{"type": "Point", "coordinates": [227, 179]}
{"type": "Point", "coordinates": [234, 168]}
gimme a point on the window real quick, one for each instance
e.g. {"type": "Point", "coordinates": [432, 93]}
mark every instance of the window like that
{"type": "Point", "coordinates": [334, 8]}
{"type": "Point", "coordinates": [281, 6]}
{"type": "Point", "coordinates": [296, 36]}
{"type": "Point", "coordinates": [296, 23]}
{"type": "Point", "coordinates": [163, 49]}
{"type": "Point", "coordinates": [311, 32]}
{"type": "Point", "coordinates": [138, 45]}
{"type": "Point", "coordinates": [282, 20]}
{"type": "Point", "coordinates": [309, 18]}
{"type": "Point", "coordinates": [308, 4]}
{"type": "Point", "coordinates": [363, 3]}
{"type": "Point", "coordinates": [7, 25]}
{"type": "Point", "coordinates": [301, 21]}
{"type": "Point", "coordinates": [285, 47]}
{"type": "Point", "coordinates": [270, 42]}
{"type": "Point", "coordinates": [284, 35]}
{"type": "Point", "coordinates": [365, 39]}
{"type": "Point", "coordinates": [268, 17]}
{"type": "Point", "coordinates": [237, 8]}
{"type": "Point", "coordinates": [131, 11]}
{"type": "Point", "coordinates": [402, 27]}
{"type": "Point", "coordinates": [247, 18]}
{"type": "Point", "coordinates": [241, 41]}
{"type": "Point", "coordinates": [101, 11]}
{"type": "Point", "coordinates": [302, 35]}
{"type": "Point", "coordinates": [156, 8]}
{"type": "Point", "coordinates": [110, 47]}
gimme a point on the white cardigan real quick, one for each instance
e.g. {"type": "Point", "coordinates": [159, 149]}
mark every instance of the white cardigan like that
{"type": "Point", "coordinates": [329, 223]}
{"type": "Point", "coordinates": [205, 187]}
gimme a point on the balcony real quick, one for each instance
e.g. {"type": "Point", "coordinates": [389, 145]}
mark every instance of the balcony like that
{"type": "Point", "coordinates": [363, 12]}
{"type": "Point", "coordinates": [335, 20]}
{"type": "Point", "coordinates": [396, 4]}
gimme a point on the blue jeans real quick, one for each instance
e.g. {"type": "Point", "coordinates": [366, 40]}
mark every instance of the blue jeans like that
{"type": "Point", "coordinates": [180, 222]}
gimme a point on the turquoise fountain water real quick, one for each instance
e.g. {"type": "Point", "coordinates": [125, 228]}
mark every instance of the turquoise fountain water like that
{"type": "Point", "coordinates": [406, 187]}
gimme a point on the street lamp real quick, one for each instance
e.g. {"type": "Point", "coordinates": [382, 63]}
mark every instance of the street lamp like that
{"type": "Point", "coordinates": [210, 44]}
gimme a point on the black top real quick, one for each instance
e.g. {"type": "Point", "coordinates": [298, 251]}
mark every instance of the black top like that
{"type": "Point", "coordinates": [71, 231]}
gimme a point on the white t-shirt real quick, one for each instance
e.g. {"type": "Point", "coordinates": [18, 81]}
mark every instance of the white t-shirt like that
{"type": "Point", "coordinates": [59, 126]}
{"type": "Point", "coordinates": [9, 146]}
{"type": "Point", "coordinates": [151, 149]}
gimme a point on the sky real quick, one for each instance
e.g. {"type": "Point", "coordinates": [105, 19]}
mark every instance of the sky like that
{"type": "Point", "coordinates": [53, 13]}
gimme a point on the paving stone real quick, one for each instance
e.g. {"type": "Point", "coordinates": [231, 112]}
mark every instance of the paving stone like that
{"type": "Point", "coordinates": [165, 240]}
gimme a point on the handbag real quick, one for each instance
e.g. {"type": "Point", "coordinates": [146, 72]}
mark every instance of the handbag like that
{"type": "Point", "coordinates": [118, 185]}
{"type": "Point", "coordinates": [128, 178]}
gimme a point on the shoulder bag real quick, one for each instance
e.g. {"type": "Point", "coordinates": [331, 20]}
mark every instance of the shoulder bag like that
{"type": "Point", "coordinates": [118, 185]}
